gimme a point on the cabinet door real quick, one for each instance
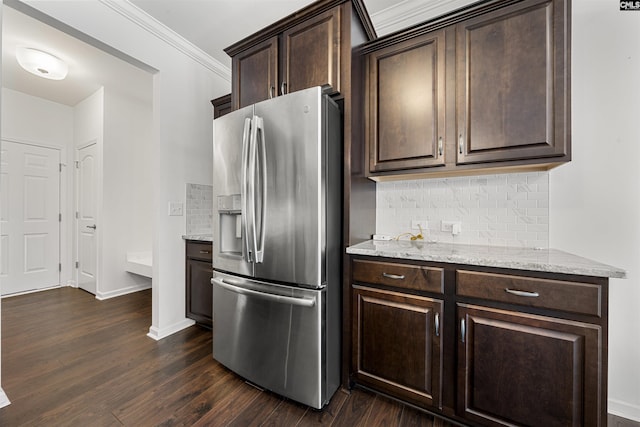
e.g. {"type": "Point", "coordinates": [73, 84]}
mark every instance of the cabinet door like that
{"type": "Point", "coordinates": [521, 369]}
{"type": "Point", "coordinates": [397, 342]}
{"type": "Point", "coordinates": [513, 83]}
{"type": "Point", "coordinates": [199, 291]}
{"type": "Point", "coordinates": [255, 73]}
{"type": "Point", "coordinates": [312, 53]}
{"type": "Point", "coordinates": [405, 124]}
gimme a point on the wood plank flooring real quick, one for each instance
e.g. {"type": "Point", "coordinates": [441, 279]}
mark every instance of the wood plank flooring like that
{"type": "Point", "coordinates": [71, 360]}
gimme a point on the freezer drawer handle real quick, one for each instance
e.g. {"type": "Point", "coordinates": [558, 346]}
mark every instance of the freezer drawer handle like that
{"type": "Point", "coordinates": [303, 302]}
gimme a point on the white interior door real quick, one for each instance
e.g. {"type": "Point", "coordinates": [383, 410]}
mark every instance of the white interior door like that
{"type": "Point", "coordinates": [87, 184]}
{"type": "Point", "coordinates": [30, 217]}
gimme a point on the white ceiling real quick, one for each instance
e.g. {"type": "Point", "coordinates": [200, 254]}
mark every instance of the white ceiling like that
{"type": "Point", "coordinates": [209, 25]}
{"type": "Point", "coordinates": [89, 68]}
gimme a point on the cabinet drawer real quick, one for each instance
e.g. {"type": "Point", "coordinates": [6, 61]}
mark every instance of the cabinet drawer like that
{"type": "Point", "coordinates": [573, 297]}
{"type": "Point", "coordinates": [200, 251]}
{"type": "Point", "coordinates": [405, 276]}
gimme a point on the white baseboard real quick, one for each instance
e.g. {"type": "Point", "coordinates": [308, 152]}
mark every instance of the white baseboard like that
{"type": "Point", "coordinates": [157, 333]}
{"type": "Point", "coordinates": [624, 410]}
{"type": "Point", "coordinates": [4, 399]}
{"type": "Point", "coordinates": [119, 292]}
{"type": "Point", "coordinates": [32, 291]}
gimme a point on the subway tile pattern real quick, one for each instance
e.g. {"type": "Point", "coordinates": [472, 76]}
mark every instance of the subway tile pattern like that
{"type": "Point", "coordinates": [500, 210]}
{"type": "Point", "coordinates": [199, 209]}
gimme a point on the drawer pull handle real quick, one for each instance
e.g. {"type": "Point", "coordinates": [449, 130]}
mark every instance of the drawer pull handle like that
{"type": "Point", "coordinates": [205, 252]}
{"type": "Point", "coordinates": [393, 276]}
{"type": "Point", "coordinates": [437, 324]}
{"type": "Point", "coordinates": [522, 293]}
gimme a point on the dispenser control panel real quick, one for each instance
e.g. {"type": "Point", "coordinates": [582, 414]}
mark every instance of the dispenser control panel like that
{"type": "Point", "coordinates": [229, 203]}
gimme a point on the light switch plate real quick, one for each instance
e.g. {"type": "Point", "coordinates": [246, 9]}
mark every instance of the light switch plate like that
{"type": "Point", "coordinates": [175, 208]}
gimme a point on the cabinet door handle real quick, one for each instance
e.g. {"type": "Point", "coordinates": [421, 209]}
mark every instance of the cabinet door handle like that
{"type": "Point", "coordinates": [522, 293]}
{"type": "Point", "coordinates": [393, 276]}
{"type": "Point", "coordinates": [283, 88]}
{"type": "Point", "coordinates": [460, 143]}
{"type": "Point", "coordinates": [440, 146]}
{"type": "Point", "coordinates": [437, 324]}
{"type": "Point", "coordinates": [271, 91]}
{"type": "Point", "coordinates": [463, 330]}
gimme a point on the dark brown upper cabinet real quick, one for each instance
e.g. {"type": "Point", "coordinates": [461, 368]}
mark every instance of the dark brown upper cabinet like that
{"type": "Point", "coordinates": [255, 73]}
{"type": "Point", "coordinates": [512, 83]}
{"type": "Point", "coordinates": [405, 124]}
{"type": "Point", "coordinates": [312, 53]}
{"type": "Point", "coordinates": [311, 47]}
{"type": "Point", "coordinates": [486, 86]}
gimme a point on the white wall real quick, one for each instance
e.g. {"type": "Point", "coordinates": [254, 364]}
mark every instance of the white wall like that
{"type": "Point", "coordinates": [127, 185]}
{"type": "Point", "coordinates": [181, 137]}
{"type": "Point", "coordinates": [47, 123]}
{"type": "Point", "coordinates": [595, 199]}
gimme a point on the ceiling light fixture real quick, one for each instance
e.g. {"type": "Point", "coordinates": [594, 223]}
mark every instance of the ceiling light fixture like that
{"type": "Point", "coordinates": [41, 63]}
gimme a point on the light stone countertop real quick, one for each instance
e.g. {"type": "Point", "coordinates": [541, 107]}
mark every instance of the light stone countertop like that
{"type": "Point", "coordinates": [547, 260]}
{"type": "Point", "coordinates": [198, 237]}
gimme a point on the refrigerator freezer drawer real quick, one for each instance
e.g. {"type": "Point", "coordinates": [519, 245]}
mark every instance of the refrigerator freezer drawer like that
{"type": "Point", "coordinates": [273, 336]}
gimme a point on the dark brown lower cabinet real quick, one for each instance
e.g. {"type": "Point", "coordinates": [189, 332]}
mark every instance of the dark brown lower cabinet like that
{"type": "Point", "coordinates": [479, 345]}
{"type": "Point", "coordinates": [199, 294]}
{"type": "Point", "coordinates": [523, 369]}
{"type": "Point", "coordinates": [397, 344]}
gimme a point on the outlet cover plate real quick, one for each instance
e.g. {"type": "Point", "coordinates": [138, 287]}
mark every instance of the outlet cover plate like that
{"type": "Point", "coordinates": [448, 225]}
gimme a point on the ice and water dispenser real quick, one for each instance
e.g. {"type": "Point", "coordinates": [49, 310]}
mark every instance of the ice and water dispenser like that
{"type": "Point", "coordinates": [230, 212]}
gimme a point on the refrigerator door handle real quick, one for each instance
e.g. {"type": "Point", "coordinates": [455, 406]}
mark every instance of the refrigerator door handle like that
{"type": "Point", "coordinates": [244, 189]}
{"type": "Point", "coordinates": [251, 183]}
{"type": "Point", "coordinates": [261, 199]}
{"type": "Point", "coordinates": [302, 302]}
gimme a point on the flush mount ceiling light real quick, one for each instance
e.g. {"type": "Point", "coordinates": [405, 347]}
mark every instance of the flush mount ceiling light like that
{"type": "Point", "coordinates": [41, 63]}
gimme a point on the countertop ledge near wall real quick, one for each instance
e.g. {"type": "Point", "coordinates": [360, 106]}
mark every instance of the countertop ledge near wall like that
{"type": "Point", "coordinates": [198, 237]}
{"type": "Point", "coordinates": [546, 260]}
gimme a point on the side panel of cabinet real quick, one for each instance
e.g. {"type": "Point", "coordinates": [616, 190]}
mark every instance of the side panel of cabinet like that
{"type": "Point", "coordinates": [522, 369]}
{"type": "Point", "coordinates": [397, 342]}
{"type": "Point", "coordinates": [221, 106]}
{"type": "Point", "coordinates": [312, 53]}
{"type": "Point", "coordinates": [199, 291]}
{"type": "Point", "coordinates": [513, 83]}
{"type": "Point", "coordinates": [405, 123]}
{"type": "Point", "coordinates": [255, 73]}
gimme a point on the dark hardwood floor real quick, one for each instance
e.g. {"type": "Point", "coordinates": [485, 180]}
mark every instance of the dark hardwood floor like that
{"type": "Point", "coordinates": [71, 360]}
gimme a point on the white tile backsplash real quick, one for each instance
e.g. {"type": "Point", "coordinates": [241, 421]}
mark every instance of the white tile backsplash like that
{"type": "Point", "coordinates": [504, 209]}
{"type": "Point", "coordinates": [199, 209]}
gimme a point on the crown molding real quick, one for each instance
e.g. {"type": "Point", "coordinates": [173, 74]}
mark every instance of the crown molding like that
{"type": "Point", "coordinates": [166, 34]}
{"type": "Point", "coordinates": [412, 12]}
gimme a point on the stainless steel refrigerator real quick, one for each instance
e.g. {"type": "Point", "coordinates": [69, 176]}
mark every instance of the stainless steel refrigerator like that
{"type": "Point", "coordinates": [277, 179]}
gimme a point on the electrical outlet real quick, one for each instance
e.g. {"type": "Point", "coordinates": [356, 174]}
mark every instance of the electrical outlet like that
{"type": "Point", "coordinates": [453, 227]}
{"type": "Point", "coordinates": [416, 224]}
